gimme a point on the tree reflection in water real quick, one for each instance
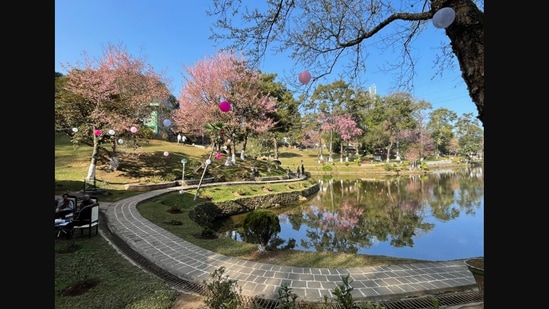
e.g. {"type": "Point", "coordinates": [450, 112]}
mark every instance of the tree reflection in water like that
{"type": "Point", "coordinates": [439, 216]}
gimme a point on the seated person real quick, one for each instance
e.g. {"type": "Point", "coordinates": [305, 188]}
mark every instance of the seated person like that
{"type": "Point", "coordinates": [86, 201]}
{"type": "Point", "coordinates": [65, 206]}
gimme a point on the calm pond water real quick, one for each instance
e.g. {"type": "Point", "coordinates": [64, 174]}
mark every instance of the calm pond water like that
{"type": "Point", "coordinates": [435, 217]}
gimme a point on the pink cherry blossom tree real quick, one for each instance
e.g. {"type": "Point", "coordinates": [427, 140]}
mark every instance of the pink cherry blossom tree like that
{"type": "Point", "coordinates": [116, 91]}
{"type": "Point", "coordinates": [224, 77]}
{"type": "Point", "coordinates": [347, 129]}
{"type": "Point", "coordinates": [343, 126]}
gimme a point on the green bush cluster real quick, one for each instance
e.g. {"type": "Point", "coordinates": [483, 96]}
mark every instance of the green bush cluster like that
{"type": "Point", "coordinates": [327, 168]}
{"type": "Point", "coordinates": [207, 232]}
{"type": "Point", "coordinates": [174, 222]}
{"type": "Point", "coordinates": [204, 214]}
{"type": "Point", "coordinates": [175, 208]}
{"type": "Point", "coordinates": [223, 293]}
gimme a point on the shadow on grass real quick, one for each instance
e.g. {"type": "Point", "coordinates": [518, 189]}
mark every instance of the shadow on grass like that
{"type": "Point", "coordinates": [158, 164]}
{"type": "Point", "coordinates": [289, 155]}
{"type": "Point", "coordinates": [68, 185]}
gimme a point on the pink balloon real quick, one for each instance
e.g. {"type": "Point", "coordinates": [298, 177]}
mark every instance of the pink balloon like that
{"type": "Point", "coordinates": [166, 153]}
{"type": "Point", "coordinates": [217, 155]}
{"type": "Point", "coordinates": [225, 106]}
{"type": "Point", "coordinates": [304, 77]}
{"type": "Point", "coordinates": [133, 129]}
{"type": "Point", "coordinates": [97, 132]}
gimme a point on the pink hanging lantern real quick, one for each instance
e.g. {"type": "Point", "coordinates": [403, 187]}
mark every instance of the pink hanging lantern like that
{"type": "Point", "coordinates": [97, 132]}
{"type": "Point", "coordinates": [225, 106]}
{"type": "Point", "coordinates": [304, 77]}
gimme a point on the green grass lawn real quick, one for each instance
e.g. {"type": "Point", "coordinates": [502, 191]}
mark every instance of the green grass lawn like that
{"type": "Point", "coordinates": [119, 283]}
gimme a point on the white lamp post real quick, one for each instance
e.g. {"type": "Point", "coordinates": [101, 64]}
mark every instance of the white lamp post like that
{"type": "Point", "coordinates": [184, 161]}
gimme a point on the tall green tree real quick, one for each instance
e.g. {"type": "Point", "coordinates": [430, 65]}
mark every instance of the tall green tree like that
{"type": "Point", "coordinates": [322, 33]}
{"type": "Point", "coordinates": [363, 103]}
{"type": "Point", "coordinates": [441, 126]}
{"type": "Point", "coordinates": [287, 116]}
{"type": "Point", "coordinates": [69, 109]}
{"type": "Point", "coordinates": [331, 105]}
{"type": "Point", "coordinates": [418, 143]}
{"type": "Point", "coordinates": [470, 135]}
{"type": "Point", "coordinates": [390, 117]}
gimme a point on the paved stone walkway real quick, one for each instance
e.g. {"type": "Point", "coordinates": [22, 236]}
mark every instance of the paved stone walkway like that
{"type": "Point", "coordinates": [195, 264]}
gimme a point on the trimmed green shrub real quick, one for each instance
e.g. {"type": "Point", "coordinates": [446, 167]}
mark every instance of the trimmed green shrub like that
{"type": "Point", "coordinates": [327, 168]}
{"type": "Point", "coordinates": [260, 226]}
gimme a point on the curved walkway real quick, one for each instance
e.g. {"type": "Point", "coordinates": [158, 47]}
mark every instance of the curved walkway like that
{"type": "Point", "coordinates": [195, 264]}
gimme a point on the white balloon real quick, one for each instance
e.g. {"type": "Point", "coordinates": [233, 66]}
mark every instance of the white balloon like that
{"type": "Point", "coordinates": [111, 132]}
{"type": "Point", "coordinates": [444, 17]}
{"type": "Point", "coordinates": [75, 130]}
{"type": "Point", "coordinates": [208, 162]}
{"type": "Point", "coordinates": [120, 141]}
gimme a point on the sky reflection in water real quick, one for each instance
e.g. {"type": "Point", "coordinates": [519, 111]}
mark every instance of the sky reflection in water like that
{"type": "Point", "coordinates": [435, 217]}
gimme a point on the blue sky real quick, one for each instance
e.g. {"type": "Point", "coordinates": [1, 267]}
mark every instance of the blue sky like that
{"type": "Point", "coordinates": [171, 34]}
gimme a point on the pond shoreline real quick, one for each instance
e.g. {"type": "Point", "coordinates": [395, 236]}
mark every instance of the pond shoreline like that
{"type": "Point", "coordinates": [391, 170]}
